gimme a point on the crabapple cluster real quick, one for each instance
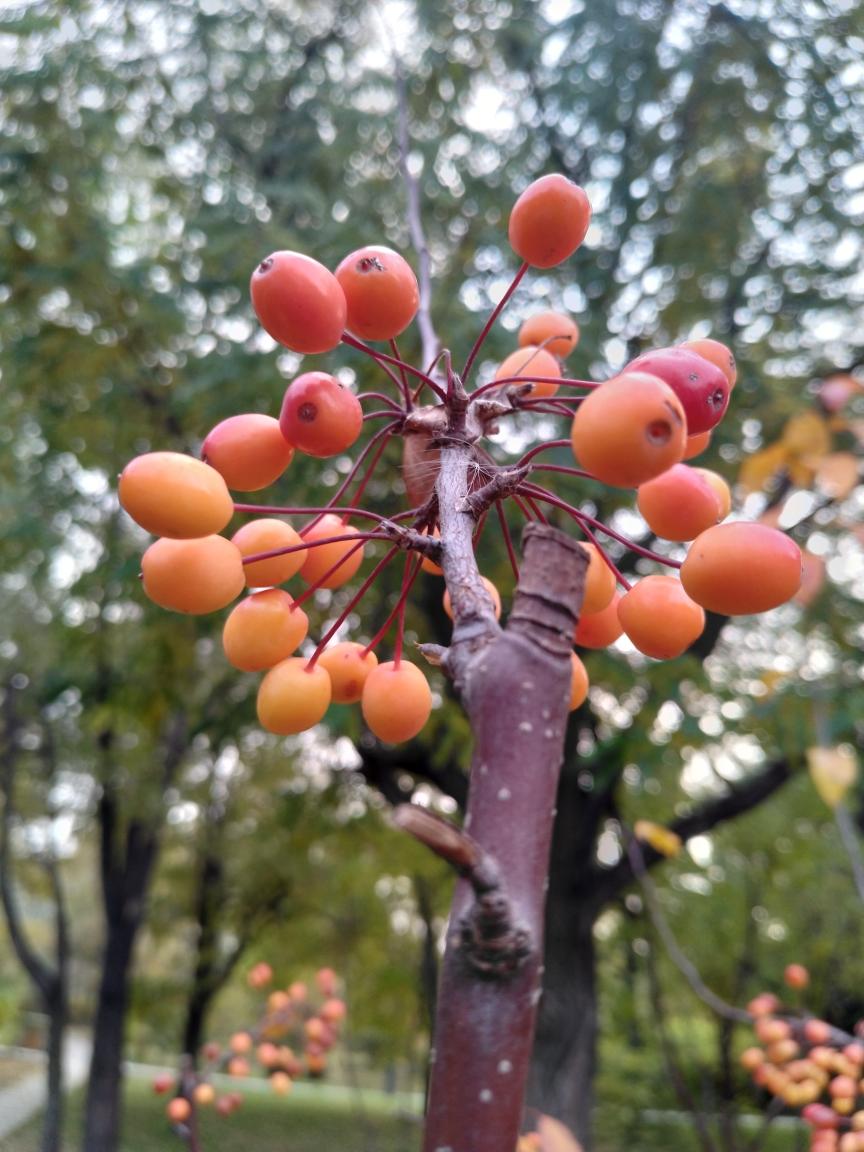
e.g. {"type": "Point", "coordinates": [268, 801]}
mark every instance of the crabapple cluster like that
{"type": "Point", "coordinates": [297, 1028]}
{"type": "Point", "coordinates": [636, 430]}
{"type": "Point", "coordinates": [807, 1063]}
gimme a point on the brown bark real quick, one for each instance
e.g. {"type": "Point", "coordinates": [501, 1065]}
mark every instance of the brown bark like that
{"type": "Point", "coordinates": [515, 687]}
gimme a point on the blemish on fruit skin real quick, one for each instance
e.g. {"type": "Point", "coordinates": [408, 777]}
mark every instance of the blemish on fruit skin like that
{"type": "Point", "coordinates": [549, 733]}
{"type": "Point", "coordinates": [485, 1096]}
{"type": "Point", "coordinates": [546, 713]}
{"type": "Point", "coordinates": [527, 685]}
{"type": "Point", "coordinates": [484, 768]}
{"type": "Point", "coordinates": [504, 794]}
{"type": "Point", "coordinates": [526, 726]}
{"type": "Point", "coordinates": [504, 1066]}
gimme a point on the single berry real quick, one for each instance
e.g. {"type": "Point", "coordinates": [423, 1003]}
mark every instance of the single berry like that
{"type": "Point", "coordinates": [248, 451]}
{"type": "Point", "coordinates": [170, 494]}
{"type": "Point", "coordinates": [348, 664]}
{"type": "Point", "coordinates": [553, 331]}
{"type": "Point", "coordinates": [343, 556]}
{"type": "Point", "coordinates": [599, 629]}
{"type": "Point", "coordinates": [528, 362]}
{"type": "Point", "coordinates": [299, 302]}
{"type": "Point", "coordinates": [679, 503]}
{"type": "Point", "coordinates": [717, 353]}
{"type": "Point", "coordinates": [194, 576]}
{"type": "Point", "coordinates": [293, 697]}
{"type": "Point", "coordinates": [700, 385]}
{"type": "Point", "coordinates": [659, 617]}
{"type": "Point", "coordinates": [549, 221]}
{"type": "Point", "coordinates": [270, 535]}
{"type": "Point", "coordinates": [319, 416]}
{"type": "Point", "coordinates": [396, 701]}
{"type": "Point", "coordinates": [600, 581]}
{"type": "Point", "coordinates": [494, 596]}
{"type": "Point", "coordinates": [739, 568]}
{"type": "Point", "coordinates": [629, 430]}
{"type": "Point", "coordinates": [381, 292]}
{"type": "Point", "coordinates": [263, 629]}
{"type": "Point", "coordinates": [579, 683]}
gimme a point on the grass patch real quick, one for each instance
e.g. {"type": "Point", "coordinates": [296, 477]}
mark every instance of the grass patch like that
{"type": "Point", "coordinates": [307, 1121]}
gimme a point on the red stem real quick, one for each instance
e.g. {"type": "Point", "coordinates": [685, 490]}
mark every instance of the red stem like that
{"type": "Point", "coordinates": [542, 448]}
{"type": "Point", "coordinates": [383, 359]}
{"type": "Point", "coordinates": [355, 600]}
{"type": "Point", "coordinates": [406, 391]}
{"type": "Point", "coordinates": [315, 509]}
{"type": "Point", "coordinates": [561, 381]}
{"type": "Point", "coordinates": [508, 539]}
{"type": "Point", "coordinates": [487, 327]}
{"type": "Point", "coordinates": [313, 588]}
{"type": "Point", "coordinates": [383, 397]}
{"type": "Point", "coordinates": [399, 608]}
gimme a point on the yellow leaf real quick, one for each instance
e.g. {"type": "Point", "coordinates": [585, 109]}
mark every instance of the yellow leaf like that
{"type": "Point", "coordinates": [835, 390]}
{"type": "Point", "coordinates": [662, 840]}
{"type": "Point", "coordinates": [759, 469]}
{"type": "Point", "coordinates": [806, 434]}
{"type": "Point", "coordinates": [554, 1137]}
{"type": "Point", "coordinates": [833, 771]}
{"type": "Point", "coordinates": [837, 474]}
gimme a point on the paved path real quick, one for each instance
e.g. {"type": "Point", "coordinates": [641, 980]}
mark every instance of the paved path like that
{"type": "Point", "coordinates": [23, 1099]}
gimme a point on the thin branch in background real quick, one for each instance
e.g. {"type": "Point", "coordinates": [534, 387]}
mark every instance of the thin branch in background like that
{"type": "Point", "coordinates": [681, 962]}
{"type": "Point", "coordinates": [670, 1057]}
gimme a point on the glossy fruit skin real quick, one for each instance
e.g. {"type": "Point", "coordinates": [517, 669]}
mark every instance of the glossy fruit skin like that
{"type": "Point", "coordinates": [193, 576]}
{"type": "Point", "coordinates": [262, 630]}
{"type": "Point", "coordinates": [299, 302]}
{"type": "Point", "coordinates": [396, 701]}
{"type": "Point", "coordinates": [579, 683]}
{"type": "Point", "coordinates": [629, 430]}
{"type": "Point", "coordinates": [348, 664]}
{"type": "Point", "coordinates": [739, 568]}
{"type": "Point", "coordinates": [292, 697]}
{"type": "Point", "coordinates": [717, 353]}
{"type": "Point", "coordinates": [266, 535]}
{"type": "Point", "coordinates": [600, 582]}
{"type": "Point", "coordinates": [696, 444]}
{"type": "Point", "coordinates": [173, 495]}
{"type": "Point", "coordinates": [554, 331]}
{"type": "Point", "coordinates": [248, 451]}
{"type": "Point", "coordinates": [659, 617]}
{"type": "Point", "coordinates": [320, 559]}
{"type": "Point", "coordinates": [701, 386]}
{"type": "Point", "coordinates": [178, 1110]}
{"type": "Point", "coordinates": [549, 221]}
{"type": "Point", "coordinates": [319, 416]}
{"type": "Point", "coordinates": [599, 629]}
{"type": "Point", "coordinates": [721, 489]}
{"type": "Point", "coordinates": [530, 361]}
{"type": "Point", "coordinates": [679, 503]}
{"type": "Point", "coordinates": [381, 292]}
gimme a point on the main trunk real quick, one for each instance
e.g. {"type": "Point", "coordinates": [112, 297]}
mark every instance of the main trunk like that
{"type": "Point", "coordinates": [104, 1091]}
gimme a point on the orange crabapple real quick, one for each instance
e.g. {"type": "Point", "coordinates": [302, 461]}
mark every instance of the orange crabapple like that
{"type": "Point", "coordinates": [261, 630]}
{"type": "Point", "coordinates": [696, 445]}
{"type": "Point", "coordinates": [299, 302]}
{"type": "Point", "coordinates": [763, 1004]}
{"type": "Point", "coordinates": [396, 701]}
{"type": "Point", "coordinates": [796, 976]}
{"type": "Point", "coordinates": [240, 1043]}
{"type": "Point", "coordinates": [278, 1001]}
{"type": "Point", "coordinates": [204, 1094]}
{"type": "Point", "coordinates": [178, 1110]}
{"type": "Point", "coordinates": [599, 629]}
{"type": "Point", "coordinates": [579, 683]}
{"type": "Point", "coordinates": [740, 568]}
{"type": "Point", "coordinates": [549, 220]}
{"type": "Point", "coordinates": [293, 696]}
{"type": "Point", "coordinates": [553, 331]}
{"type": "Point", "coordinates": [348, 664]}
{"type": "Point", "coordinates": [600, 581]}
{"type": "Point", "coordinates": [194, 576]}
{"type": "Point", "coordinates": [281, 1083]}
{"type": "Point", "coordinates": [531, 361]}
{"type": "Point", "coordinates": [659, 617]}
{"type": "Point", "coordinates": [176, 496]}
{"type": "Point", "coordinates": [721, 489]}
{"type": "Point", "coordinates": [333, 1010]}
{"type": "Point", "coordinates": [298, 991]}
{"type": "Point", "coordinates": [319, 415]}
{"type": "Point", "coordinates": [629, 429]}
{"type": "Point", "coordinates": [429, 565]}
{"type": "Point", "coordinates": [238, 1066]}
{"type": "Point", "coordinates": [325, 980]}
{"type": "Point", "coordinates": [494, 596]}
{"type": "Point", "coordinates": [259, 975]}
{"type": "Point", "coordinates": [268, 535]}
{"type": "Point", "coordinates": [321, 558]}
{"type": "Point", "coordinates": [381, 292]}
{"type": "Point", "coordinates": [699, 384]}
{"type": "Point", "coordinates": [679, 503]}
{"type": "Point", "coordinates": [717, 353]}
{"type": "Point", "coordinates": [248, 451]}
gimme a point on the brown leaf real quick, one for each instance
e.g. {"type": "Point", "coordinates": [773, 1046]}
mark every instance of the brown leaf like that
{"type": "Point", "coordinates": [554, 1137]}
{"type": "Point", "coordinates": [758, 470]}
{"type": "Point", "coordinates": [812, 579]}
{"type": "Point", "coordinates": [837, 474]}
{"type": "Point", "coordinates": [806, 434]}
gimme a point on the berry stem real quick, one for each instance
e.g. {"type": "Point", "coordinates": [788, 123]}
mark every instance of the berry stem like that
{"type": "Point", "coordinates": [313, 588]}
{"type": "Point", "coordinates": [352, 604]}
{"type": "Point", "coordinates": [410, 562]}
{"type": "Point", "coordinates": [314, 510]}
{"type": "Point", "coordinates": [384, 360]}
{"type": "Point", "coordinates": [562, 382]}
{"type": "Point", "coordinates": [487, 327]}
{"type": "Point", "coordinates": [383, 397]}
{"type": "Point", "coordinates": [289, 548]}
{"type": "Point", "coordinates": [541, 448]}
{"type": "Point", "coordinates": [406, 391]}
{"type": "Point", "coordinates": [399, 608]}
{"type": "Point", "coordinates": [508, 539]}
